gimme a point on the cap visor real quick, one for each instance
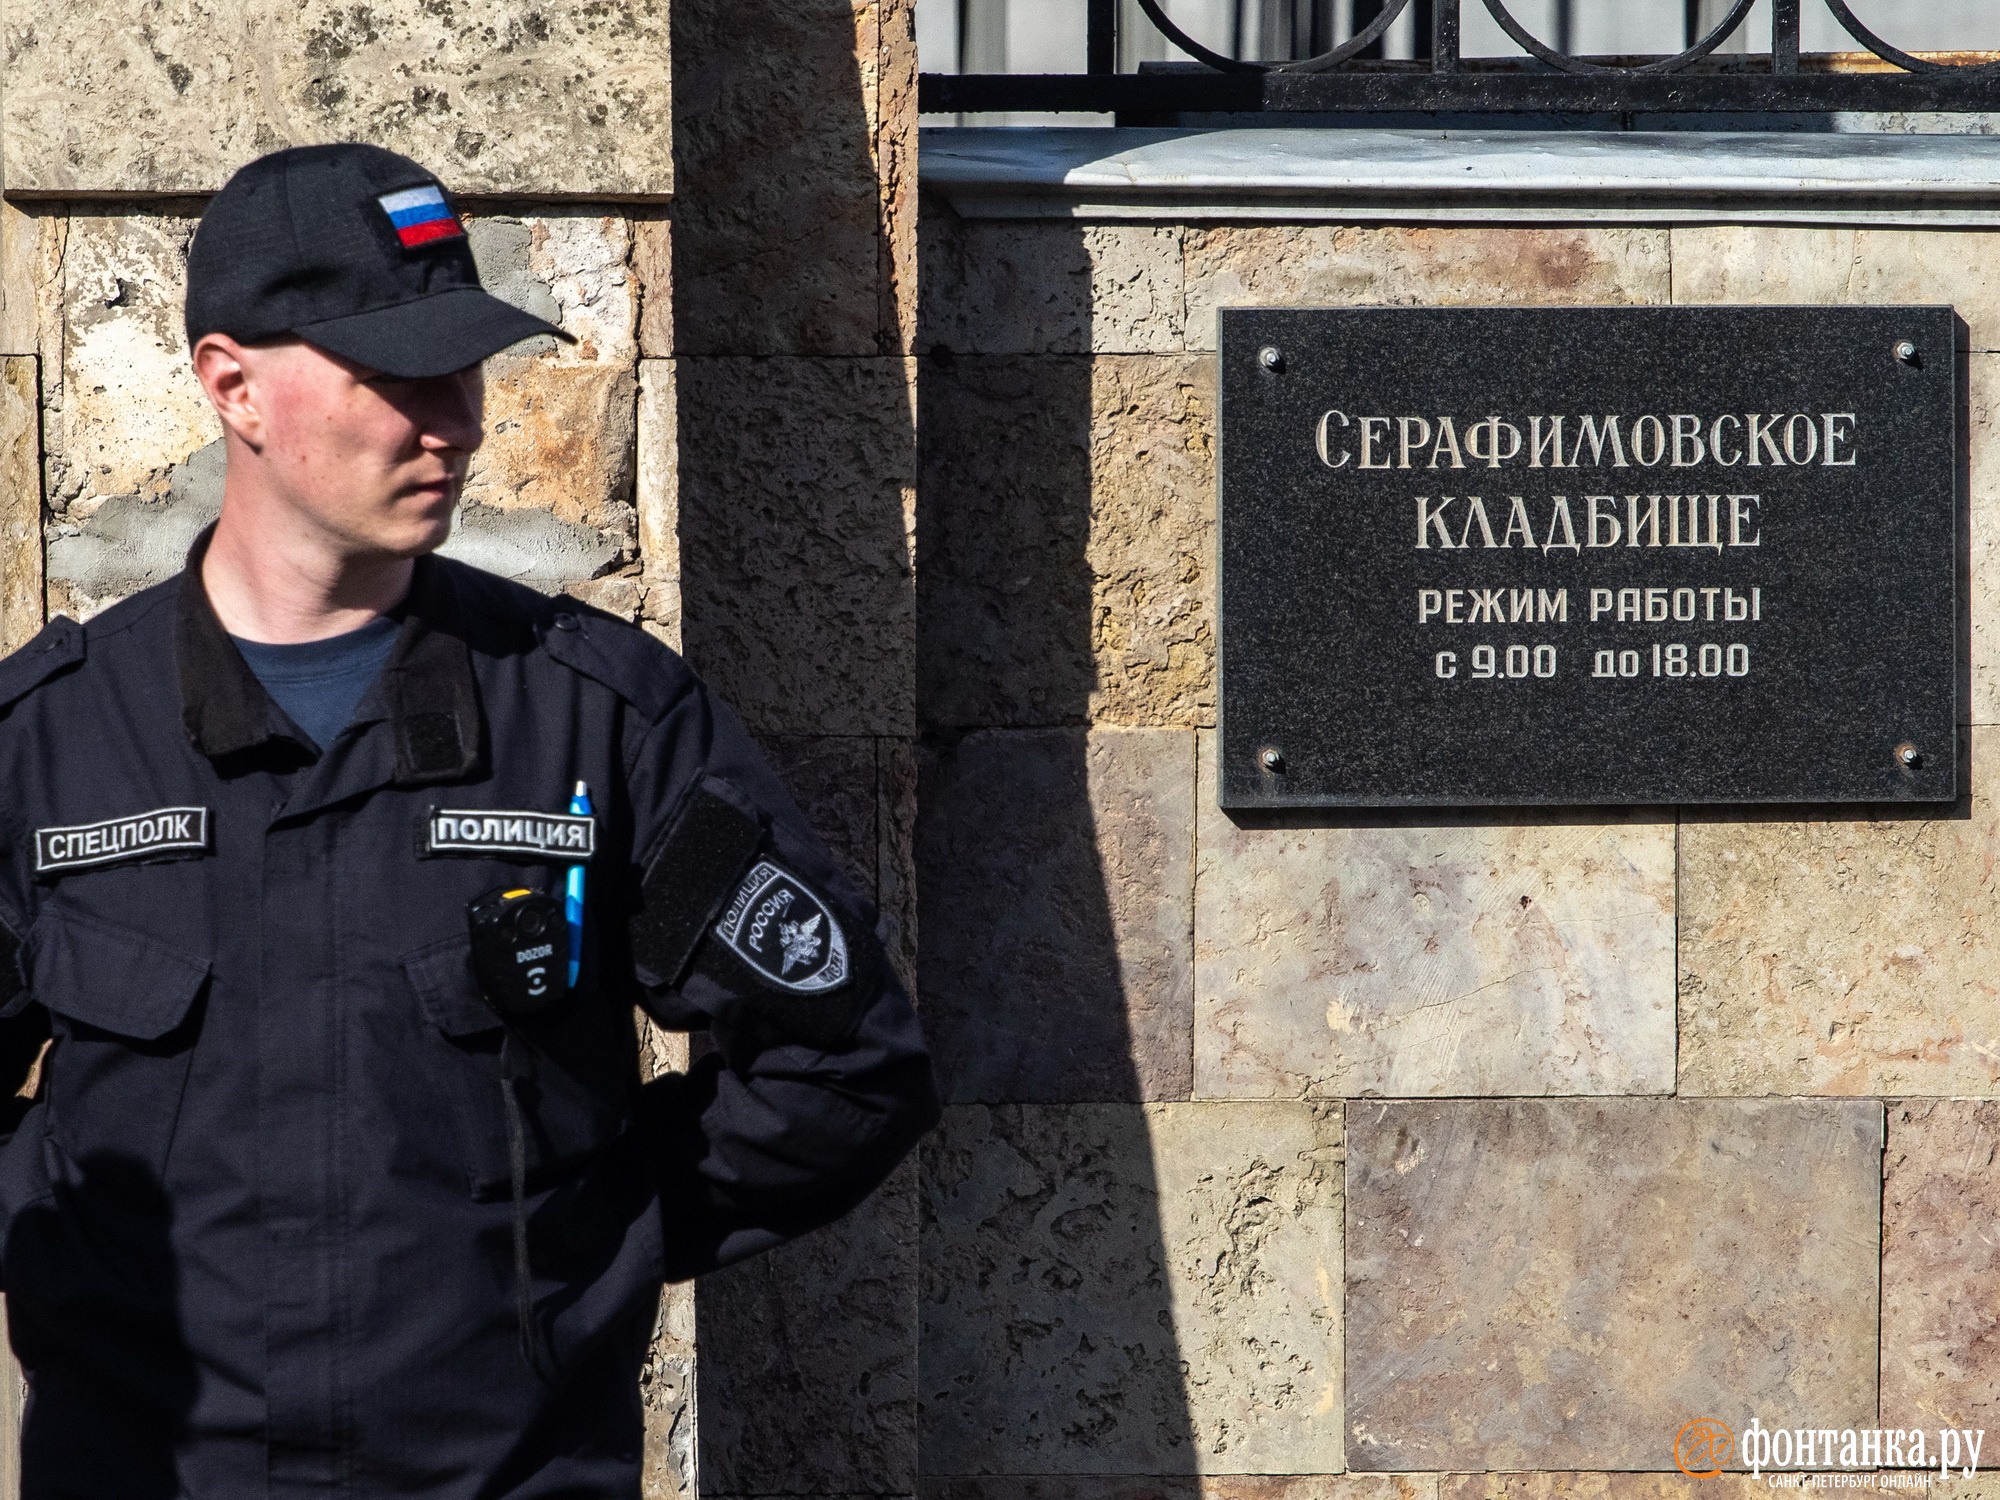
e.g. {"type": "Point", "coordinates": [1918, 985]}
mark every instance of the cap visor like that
{"type": "Point", "coordinates": [431, 336]}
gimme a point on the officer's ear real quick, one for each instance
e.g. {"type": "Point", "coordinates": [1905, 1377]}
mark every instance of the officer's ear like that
{"type": "Point", "coordinates": [220, 364]}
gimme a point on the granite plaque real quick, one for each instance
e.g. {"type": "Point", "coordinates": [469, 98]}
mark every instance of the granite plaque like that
{"type": "Point", "coordinates": [1480, 556]}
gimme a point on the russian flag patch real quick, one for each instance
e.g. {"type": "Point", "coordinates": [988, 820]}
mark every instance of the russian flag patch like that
{"type": "Point", "coordinates": [421, 216]}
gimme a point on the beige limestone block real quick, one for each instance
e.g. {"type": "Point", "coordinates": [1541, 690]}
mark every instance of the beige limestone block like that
{"type": "Point", "coordinates": [131, 408]}
{"type": "Point", "coordinates": [548, 498]}
{"type": "Point", "coordinates": [1940, 1270]}
{"type": "Point", "coordinates": [171, 96]}
{"type": "Point", "coordinates": [1850, 955]}
{"type": "Point", "coordinates": [796, 536]}
{"type": "Point", "coordinates": [897, 776]}
{"type": "Point", "coordinates": [894, 88]}
{"type": "Point", "coordinates": [653, 266]}
{"type": "Point", "coordinates": [13, 1407]}
{"type": "Point", "coordinates": [1600, 1486]}
{"type": "Point", "coordinates": [1398, 266]}
{"type": "Point", "coordinates": [1775, 263]}
{"type": "Point", "coordinates": [1514, 956]}
{"type": "Point", "coordinates": [21, 611]}
{"type": "Point", "coordinates": [667, 1392]}
{"type": "Point", "coordinates": [1185, 1487]}
{"type": "Point", "coordinates": [31, 239]}
{"type": "Point", "coordinates": [1562, 1284]}
{"type": "Point", "coordinates": [584, 258]}
{"type": "Point", "coordinates": [559, 438]}
{"type": "Point", "coordinates": [833, 780]}
{"type": "Point", "coordinates": [777, 237]}
{"type": "Point", "coordinates": [1119, 1289]}
{"type": "Point", "coordinates": [995, 286]}
{"type": "Point", "coordinates": [1069, 540]}
{"type": "Point", "coordinates": [657, 472]}
{"type": "Point", "coordinates": [1983, 450]}
{"type": "Point", "coordinates": [809, 1359]}
{"type": "Point", "coordinates": [574, 267]}
{"type": "Point", "coordinates": [1055, 889]}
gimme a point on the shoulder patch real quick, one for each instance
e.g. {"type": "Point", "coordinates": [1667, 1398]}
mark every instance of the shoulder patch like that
{"type": "Point", "coordinates": [778, 926]}
{"type": "Point", "coordinates": [60, 645]}
{"type": "Point", "coordinates": [620, 656]}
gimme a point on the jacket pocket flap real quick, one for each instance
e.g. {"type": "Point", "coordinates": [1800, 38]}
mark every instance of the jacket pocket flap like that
{"type": "Point", "coordinates": [448, 989]}
{"type": "Point", "coordinates": [111, 977]}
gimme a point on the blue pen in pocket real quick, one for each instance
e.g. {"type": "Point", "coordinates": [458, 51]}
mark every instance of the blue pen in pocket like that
{"type": "Point", "coordinates": [579, 806]}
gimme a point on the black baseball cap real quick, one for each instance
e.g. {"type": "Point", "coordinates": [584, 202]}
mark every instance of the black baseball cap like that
{"type": "Point", "coordinates": [354, 249]}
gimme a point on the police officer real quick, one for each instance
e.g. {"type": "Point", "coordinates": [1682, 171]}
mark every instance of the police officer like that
{"type": "Point", "coordinates": [332, 1172]}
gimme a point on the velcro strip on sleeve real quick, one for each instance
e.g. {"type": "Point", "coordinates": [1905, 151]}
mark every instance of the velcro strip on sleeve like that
{"type": "Point", "coordinates": [696, 869]}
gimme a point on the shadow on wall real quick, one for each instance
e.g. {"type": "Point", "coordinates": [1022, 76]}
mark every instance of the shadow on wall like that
{"type": "Point", "coordinates": [796, 443]}
{"type": "Point", "coordinates": [1054, 967]}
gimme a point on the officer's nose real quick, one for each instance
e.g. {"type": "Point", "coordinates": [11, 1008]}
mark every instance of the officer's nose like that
{"type": "Point", "coordinates": [453, 411]}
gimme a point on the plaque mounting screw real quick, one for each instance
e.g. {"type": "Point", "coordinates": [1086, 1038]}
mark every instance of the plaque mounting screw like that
{"type": "Point", "coordinates": [1909, 756]}
{"type": "Point", "coordinates": [1271, 357]}
{"type": "Point", "coordinates": [1271, 759]}
{"type": "Point", "coordinates": [1906, 352]}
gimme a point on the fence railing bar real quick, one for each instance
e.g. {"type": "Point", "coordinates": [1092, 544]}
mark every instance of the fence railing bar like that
{"type": "Point", "coordinates": [1344, 76]}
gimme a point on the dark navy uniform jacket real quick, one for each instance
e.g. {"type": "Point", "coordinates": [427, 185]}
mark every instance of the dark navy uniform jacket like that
{"type": "Point", "coordinates": [259, 1216]}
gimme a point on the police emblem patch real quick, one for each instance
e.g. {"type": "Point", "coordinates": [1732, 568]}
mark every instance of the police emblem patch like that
{"type": "Point", "coordinates": [165, 830]}
{"type": "Point", "coordinates": [781, 929]}
{"type": "Point", "coordinates": [492, 831]}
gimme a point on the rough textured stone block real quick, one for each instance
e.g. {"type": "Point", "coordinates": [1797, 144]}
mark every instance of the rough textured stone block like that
{"type": "Point", "coordinates": [1983, 450]}
{"type": "Point", "coordinates": [998, 287]}
{"type": "Point", "coordinates": [573, 267]}
{"type": "Point", "coordinates": [893, 86]}
{"type": "Point", "coordinates": [808, 1359]}
{"type": "Point", "coordinates": [1186, 1487]}
{"type": "Point", "coordinates": [129, 542]}
{"type": "Point", "coordinates": [666, 1387]}
{"type": "Point", "coordinates": [896, 852]}
{"type": "Point", "coordinates": [1132, 1290]}
{"type": "Point", "coordinates": [833, 782]}
{"type": "Point", "coordinates": [1506, 957]}
{"type": "Point", "coordinates": [548, 498]}
{"type": "Point", "coordinates": [1669, 1486]}
{"type": "Point", "coordinates": [797, 484]}
{"type": "Point", "coordinates": [1055, 891]}
{"type": "Point", "coordinates": [1778, 263]}
{"type": "Point", "coordinates": [1845, 956]}
{"type": "Point", "coordinates": [20, 503]}
{"type": "Point", "coordinates": [511, 96]}
{"type": "Point", "coordinates": [658, 499]}
{"type": "Point", "coordinates": [1940, 1278]}
{"type": "Point", "coordinates": [1344, 265]}
{"type": "Point", "coordinates": [134, 463]}
{"type": "Point", "coordinates": [1562, 1284]}
{"type": "Point", "coordinates": [30, 277]}
{"type": "Point", "coordinates": [653, 265]}
{"type": "Point", "coordinates": [129, 407]}
{"type": "Point", "coordinates": [777, 239]}
{"type": "Point", "coordinates": [1068, 534]}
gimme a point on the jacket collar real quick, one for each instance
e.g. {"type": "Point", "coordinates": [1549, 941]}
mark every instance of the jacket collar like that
{"type": "Point", "coordinates": [428, 693]}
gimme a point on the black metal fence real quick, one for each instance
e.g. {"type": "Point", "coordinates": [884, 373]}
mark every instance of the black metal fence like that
{"type": "Point", "coordinates": [1351, 77]}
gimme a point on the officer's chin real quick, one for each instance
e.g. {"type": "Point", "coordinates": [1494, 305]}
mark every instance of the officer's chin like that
{"type": "Point", "coordinates": [424, 531]}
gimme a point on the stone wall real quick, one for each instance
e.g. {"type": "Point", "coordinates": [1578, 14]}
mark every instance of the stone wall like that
{"type": "Point", "coordinates": [726, 454]}
{"type": "Point", "coordinates": [1459, 1155]}
{"type": "Point", "coordinates": [788, 359]}
{"type": "Point", "coordinates": [1287, 1158]}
